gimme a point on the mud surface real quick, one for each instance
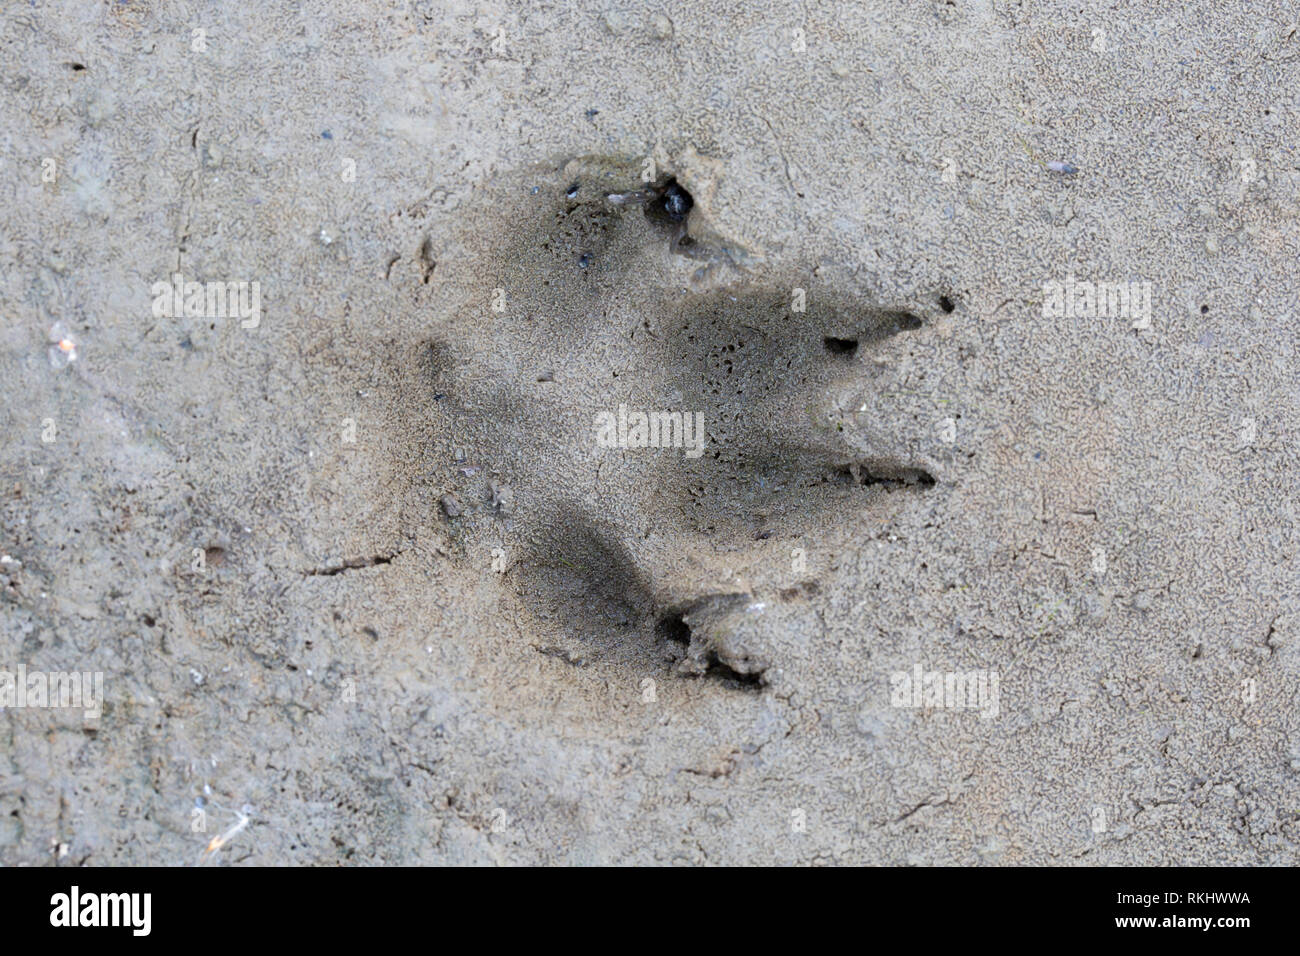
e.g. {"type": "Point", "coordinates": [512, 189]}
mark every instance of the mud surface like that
{"type": "Point", "coordinates": [380, 559]}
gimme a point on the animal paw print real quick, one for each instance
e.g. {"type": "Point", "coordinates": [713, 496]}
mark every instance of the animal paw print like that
{"type": "Point", "coordinates": [679, 462]}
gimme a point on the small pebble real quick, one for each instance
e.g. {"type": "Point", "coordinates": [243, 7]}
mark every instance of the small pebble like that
{"type": "Point", "coordinates": [502, 497]}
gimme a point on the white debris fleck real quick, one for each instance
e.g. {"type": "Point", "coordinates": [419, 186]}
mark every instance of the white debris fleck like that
{"type": "Point", "coordinates": [62, 350]}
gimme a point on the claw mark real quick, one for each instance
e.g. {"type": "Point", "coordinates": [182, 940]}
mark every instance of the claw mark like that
{"type": "Point", "coordinates": [352, 564]}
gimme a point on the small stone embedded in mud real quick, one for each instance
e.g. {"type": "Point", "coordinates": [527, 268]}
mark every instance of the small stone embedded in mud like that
{"type": "Point", "coordinates": [450, 506]}
{"type": "Point", "coordinates": [677, 201]}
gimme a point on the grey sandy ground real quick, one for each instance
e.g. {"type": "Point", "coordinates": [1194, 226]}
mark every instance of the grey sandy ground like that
{"type": "Point", "coordinates": [1110, 538]}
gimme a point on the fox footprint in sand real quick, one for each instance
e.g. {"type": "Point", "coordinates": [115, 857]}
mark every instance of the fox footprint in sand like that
{"type": "Point", "coordinates": [676, 460]}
